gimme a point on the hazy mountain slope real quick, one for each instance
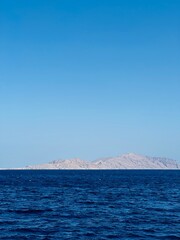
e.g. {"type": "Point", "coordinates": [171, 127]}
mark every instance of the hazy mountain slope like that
{"type": "Point", "coordinates": [126, 161]}
{"type": "Point", "coordinates": [135, 161]}
{"type": "Point", "coordinates": [75, 163]}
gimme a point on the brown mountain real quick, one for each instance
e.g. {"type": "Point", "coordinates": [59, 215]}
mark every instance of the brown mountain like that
{"type": "Point", "coordinates": [126, 161]}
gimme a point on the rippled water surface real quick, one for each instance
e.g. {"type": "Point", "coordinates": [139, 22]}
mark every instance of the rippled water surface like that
{"type": "Point", "coordinates": [89, 204]}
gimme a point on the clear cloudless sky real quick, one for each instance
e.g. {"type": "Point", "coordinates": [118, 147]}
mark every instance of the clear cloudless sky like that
{"type": "Point", "coordinates": [88, 79]}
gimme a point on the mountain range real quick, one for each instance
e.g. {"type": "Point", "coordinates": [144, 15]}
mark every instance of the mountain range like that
{"type": "Point", "coordinates": [125, 161]}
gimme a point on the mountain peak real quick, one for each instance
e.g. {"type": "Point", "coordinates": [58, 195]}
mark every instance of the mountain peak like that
{"type": "Point", "coordinates": [132, 155]}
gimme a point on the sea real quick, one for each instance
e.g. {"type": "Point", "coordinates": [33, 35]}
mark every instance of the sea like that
{"type": "Point", "coordinates": [89, 204]}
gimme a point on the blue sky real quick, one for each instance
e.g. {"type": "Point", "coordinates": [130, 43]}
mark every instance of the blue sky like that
{"type": "Point", "coordinates": [88, 79]}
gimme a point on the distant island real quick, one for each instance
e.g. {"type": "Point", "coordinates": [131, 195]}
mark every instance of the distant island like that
{"type": "Point", "coordinates": [125, 161]}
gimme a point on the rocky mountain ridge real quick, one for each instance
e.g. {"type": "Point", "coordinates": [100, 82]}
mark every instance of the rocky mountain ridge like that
{"type": "Point", "coordinates": [125, 161]}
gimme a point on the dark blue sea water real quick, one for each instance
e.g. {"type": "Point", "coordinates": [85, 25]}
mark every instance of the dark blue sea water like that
{"type": "Point", "coordinates": [89, 204]}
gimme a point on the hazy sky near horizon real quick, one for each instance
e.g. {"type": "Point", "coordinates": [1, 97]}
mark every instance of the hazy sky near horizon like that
{"type": "Point", "coordinates": [88, 79]}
